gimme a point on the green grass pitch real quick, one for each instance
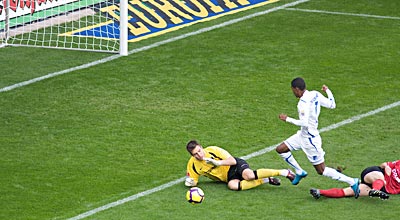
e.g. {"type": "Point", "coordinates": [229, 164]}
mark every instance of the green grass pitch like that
{"type": "Point", "coordinates": [79, 141]}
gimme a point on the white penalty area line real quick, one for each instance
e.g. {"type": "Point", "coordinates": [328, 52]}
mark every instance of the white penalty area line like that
{"type": "Point", "coordinates": [157, 44]}
{"type": "Point", "coordinates": [343, 13]}
{"type": "Point", "coordinates": [257, 153]}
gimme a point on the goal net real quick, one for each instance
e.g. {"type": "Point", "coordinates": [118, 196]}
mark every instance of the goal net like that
{"type": "Point", "coordinates": [65, 24]}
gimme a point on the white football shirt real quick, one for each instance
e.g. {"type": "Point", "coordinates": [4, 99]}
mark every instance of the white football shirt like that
{"type": "Point", "coordinates": [309, 108]}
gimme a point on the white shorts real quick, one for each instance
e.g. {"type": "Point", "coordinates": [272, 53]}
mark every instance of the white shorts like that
{"type": "Point", "coordinates": [311, 146]}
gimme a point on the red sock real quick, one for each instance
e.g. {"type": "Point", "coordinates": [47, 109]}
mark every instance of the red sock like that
{"type": "Point", "coordinates": [332, 193]}
{"type": "Point", "coordinates": [378, 184]}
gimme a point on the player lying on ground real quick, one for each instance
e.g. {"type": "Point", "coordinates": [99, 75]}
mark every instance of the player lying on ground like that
{"type": "Point", "coordinates": [376, 181]}
{"type": "Point", "coordinates": [218, 164]}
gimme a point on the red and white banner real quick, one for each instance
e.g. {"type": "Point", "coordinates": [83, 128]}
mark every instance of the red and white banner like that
{"type": "Point", "coordinates": [23, 7]}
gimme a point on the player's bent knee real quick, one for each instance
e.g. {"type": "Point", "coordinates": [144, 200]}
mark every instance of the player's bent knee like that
{"type": "Point", "coordinates": [282, 148]}
{"type": "Point", "coordinates": [248, 174]}
{"type": "Point", "coordinates": [234, 185]}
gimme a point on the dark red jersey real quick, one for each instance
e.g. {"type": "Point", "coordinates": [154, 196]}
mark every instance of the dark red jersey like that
{"type": "Point", "coordinates": [393, 180]}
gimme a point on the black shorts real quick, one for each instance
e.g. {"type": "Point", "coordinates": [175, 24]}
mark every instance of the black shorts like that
{"type": "Point", "coordinates": [235, 172]}
{"type": "Point", "coordinates": [369, 170]}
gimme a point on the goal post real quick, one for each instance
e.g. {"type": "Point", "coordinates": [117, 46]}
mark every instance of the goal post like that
{"type": "Point", "coordinates": [64, 24]}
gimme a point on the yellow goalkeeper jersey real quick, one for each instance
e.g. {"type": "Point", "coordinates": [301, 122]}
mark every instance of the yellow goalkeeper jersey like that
{"type": "Point", "coordinates": [197, 168]}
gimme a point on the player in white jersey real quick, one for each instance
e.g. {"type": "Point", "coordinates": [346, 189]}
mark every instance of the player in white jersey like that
{"type": "Point", "coordinates": [308, 138]}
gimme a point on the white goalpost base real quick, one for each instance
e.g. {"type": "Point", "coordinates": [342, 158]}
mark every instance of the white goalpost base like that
{"type": "Point", "coordinates": [63, 24]}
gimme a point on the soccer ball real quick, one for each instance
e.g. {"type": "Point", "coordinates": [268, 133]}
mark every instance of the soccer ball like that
{"type": "Point", "coordinates": [195, 195]}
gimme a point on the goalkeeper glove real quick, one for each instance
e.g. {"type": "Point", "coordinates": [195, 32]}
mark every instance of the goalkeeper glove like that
{"type": "Point", "coordinates": [212, 161]}
{"type": "Point", "coordinates": [190, 182]}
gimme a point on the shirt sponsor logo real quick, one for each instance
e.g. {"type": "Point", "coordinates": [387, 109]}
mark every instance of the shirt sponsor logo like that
{"type": "Point", "coordinates": [395, 175]}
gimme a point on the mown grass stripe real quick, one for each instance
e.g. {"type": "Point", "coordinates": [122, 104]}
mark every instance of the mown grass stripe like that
{"type": "Point", "coordinates": [343, 13]}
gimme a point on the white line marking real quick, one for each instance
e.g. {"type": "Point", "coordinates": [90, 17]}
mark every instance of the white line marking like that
{"type": "Point", "coordinates": [127, 199]}
{"type": "Point", "coordinates": [51, 75]}
{"type": "Point", "coordinates": [358, 117]}
{"type": "Point", "coordinates": [203, 30]}
{"type": "Point", "coordinates": [343, 13]}
{"type": "Point", "coordinates": [257, 153]}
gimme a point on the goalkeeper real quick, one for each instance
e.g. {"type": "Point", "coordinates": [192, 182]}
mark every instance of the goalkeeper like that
{"type": "Point", "coordinates": [219, 165]}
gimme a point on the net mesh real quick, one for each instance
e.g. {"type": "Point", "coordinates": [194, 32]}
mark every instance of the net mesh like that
{"type": "Point", "coordinates": [67, 24]}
